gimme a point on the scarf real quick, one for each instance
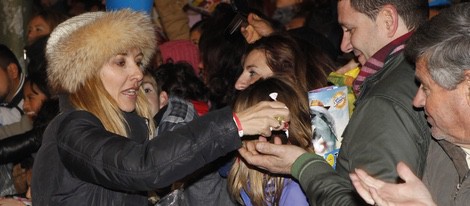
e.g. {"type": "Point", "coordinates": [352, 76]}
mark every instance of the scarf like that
{"type": "Point", "coordinates": [376, 62]}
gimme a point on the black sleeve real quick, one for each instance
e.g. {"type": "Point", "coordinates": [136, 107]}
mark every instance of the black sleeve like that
{"type": "Point", "coordinates": [95, 155]}
{"type": "Point", "coordinates": [16, 148]}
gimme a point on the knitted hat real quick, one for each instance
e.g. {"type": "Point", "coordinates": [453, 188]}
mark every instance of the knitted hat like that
{"type": "Point", "coordinates": [79, 47]}
{"type": "Point", "coordinates": [181, 50]}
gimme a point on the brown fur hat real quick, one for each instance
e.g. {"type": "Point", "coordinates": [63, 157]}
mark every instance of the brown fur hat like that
{"type": "Point", "coordinates": [80, 46]}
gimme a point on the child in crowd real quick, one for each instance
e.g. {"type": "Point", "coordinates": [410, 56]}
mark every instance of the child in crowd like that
{"type": "Point", "coordinates": [152, 91]}
{"type": "Point", "coordinates": [195, 32]}
{"type": "Point", "coordinates": [176, 94]}
{"type": "Point", "coordinates": [19, 149]}
{"type": "Point", "coordinates": [250, 186]}
{"type": "Point", "coordinates": [35, 92]}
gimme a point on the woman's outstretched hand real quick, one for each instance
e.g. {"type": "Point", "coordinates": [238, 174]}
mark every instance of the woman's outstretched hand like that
{"type": "Point", "coordinates": [263, 117]}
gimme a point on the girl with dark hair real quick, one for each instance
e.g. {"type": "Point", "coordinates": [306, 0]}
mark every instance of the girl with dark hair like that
{"type": "Point", "coordinates": [35, 93]}
{"type": "Point", "coordinates": [221, 56]}
{"type": "Point", "coordinates": [18, 149]}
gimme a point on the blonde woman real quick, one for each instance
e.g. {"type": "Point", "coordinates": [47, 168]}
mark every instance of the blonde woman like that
{"type": "Point", "coordinates": [252, 186]}
{"type": "Point", "coordinates": [99, 150]}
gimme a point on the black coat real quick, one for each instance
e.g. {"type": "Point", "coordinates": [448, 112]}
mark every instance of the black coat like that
{"type": "Point", "coordinates": [16, 148]}
{"type": "Point", "coordinates": [80, 163]}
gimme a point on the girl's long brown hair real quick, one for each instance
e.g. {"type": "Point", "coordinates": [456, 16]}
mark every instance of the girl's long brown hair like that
{"type": "Point", "coordinates": [252, 180]}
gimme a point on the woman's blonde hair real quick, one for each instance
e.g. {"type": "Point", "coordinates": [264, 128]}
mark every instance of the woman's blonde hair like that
{"type": "Point", "coordinates": [94, 98]}
{"type": "Point", "coordinates": [77, 49]}
{"type": "Point", "coordinates": [254, 181]}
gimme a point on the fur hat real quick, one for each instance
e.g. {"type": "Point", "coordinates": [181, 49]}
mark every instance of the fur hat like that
{"type": "Point", "coordinates": [80, 46]}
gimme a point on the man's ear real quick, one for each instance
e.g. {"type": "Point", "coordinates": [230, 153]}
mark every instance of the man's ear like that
{"type": "Point", "coordinates": [13, 71]}
{"type": "Point", "coordinates": [163, 99]}
{"type": "Point", "coordinates": [467, 85]}
{"type": "Point", "coordinates": [389, 17]}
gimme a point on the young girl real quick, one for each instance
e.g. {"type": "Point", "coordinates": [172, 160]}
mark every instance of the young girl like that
{"type": "Point", "coordinates": [251, 186]}
{"type": "Point", "coordinates": [35, 92]}
{"type": "Point", "coordinates": [17, 147]}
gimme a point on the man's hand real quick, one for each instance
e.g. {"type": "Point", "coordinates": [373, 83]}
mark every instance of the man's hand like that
{"type": "Point", "coordinates": [374, 191]}
{"type": "Point", "coordinates": [272, 157]}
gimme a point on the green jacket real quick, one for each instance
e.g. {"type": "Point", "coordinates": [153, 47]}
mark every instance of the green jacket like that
{"type": "Point", "coordinates": [384, 129]}
{"type": "Point", "coordinates": [447, 174]}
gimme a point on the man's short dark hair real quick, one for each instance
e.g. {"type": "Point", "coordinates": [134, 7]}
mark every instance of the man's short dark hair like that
{"type": "Point", "coordinates": [413, 12]}
{"type": "Point", "coordinates": [7, 57]}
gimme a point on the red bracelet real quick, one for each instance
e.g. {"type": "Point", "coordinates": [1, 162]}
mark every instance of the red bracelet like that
{"type": "Point", "coordinates": [239, 124]}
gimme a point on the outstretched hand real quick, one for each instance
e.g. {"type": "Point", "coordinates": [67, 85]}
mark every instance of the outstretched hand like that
{"type": "Point", "coordinates": [260, 119]}
{"type": "Point", "coordinates": [375, 191]}
{"type": "Point", "coordinates": [257, 28]}
{"type": "Point", "coordinates": [276, 158]}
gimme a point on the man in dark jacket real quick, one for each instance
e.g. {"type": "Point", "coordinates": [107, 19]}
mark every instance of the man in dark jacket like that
{"type": "Point", "coordinates": [385, 128]}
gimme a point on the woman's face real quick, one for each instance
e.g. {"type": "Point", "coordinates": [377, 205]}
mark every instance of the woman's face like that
{"type": "Point", "coordinates": [122, 76]}
{"type": "Point", "coordinates": [37, 27]}
{"type": "Point", "coordinates": [150, 89]}
{"type": "Point", "coordinates": [254, 68]}
{"type": "Point", "coordinates": [33, 99]}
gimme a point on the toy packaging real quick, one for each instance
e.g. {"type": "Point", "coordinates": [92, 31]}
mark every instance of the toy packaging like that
{"type": "Point", "coordinates": [346, 79]}
{"type": "Point", "coordinates": [329, 117]}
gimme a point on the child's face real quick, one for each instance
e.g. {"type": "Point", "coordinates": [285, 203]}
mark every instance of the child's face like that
{"type": "Point", "coordinates": [150, 88]}
{"type": "Point", "coordinates": [195, 36]}
{"type": "Point", "coordinates": [33, 99]}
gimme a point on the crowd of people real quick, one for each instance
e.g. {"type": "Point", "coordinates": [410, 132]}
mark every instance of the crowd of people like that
{"type": "Point", "coordinates": [126, 107]}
